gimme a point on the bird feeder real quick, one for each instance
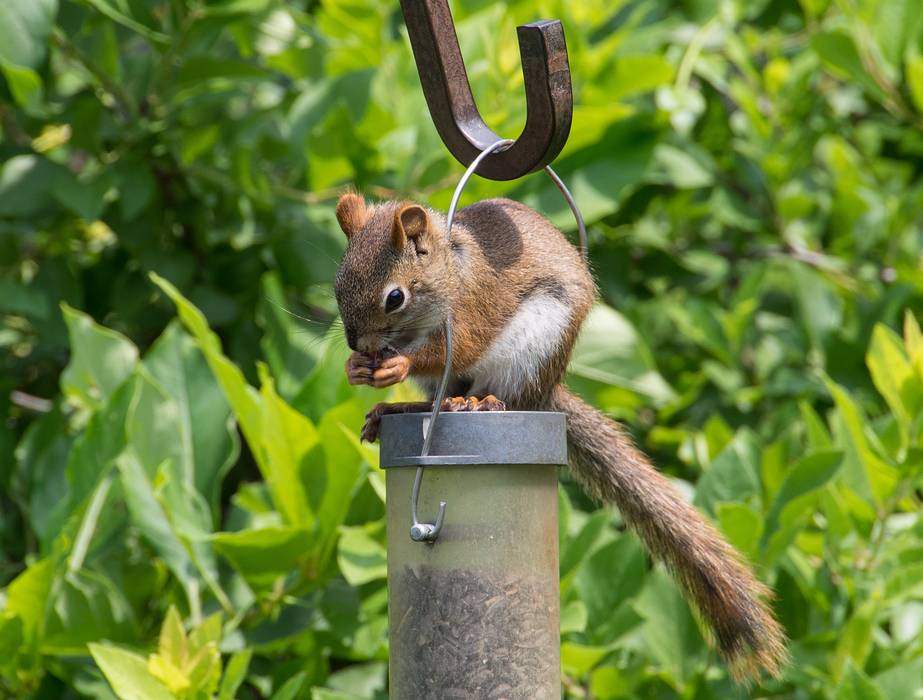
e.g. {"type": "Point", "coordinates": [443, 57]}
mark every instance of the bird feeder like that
{"type": "Point", "coordinates": [473, 597]}
{"type": "Point", "coordinates": [474, 613]}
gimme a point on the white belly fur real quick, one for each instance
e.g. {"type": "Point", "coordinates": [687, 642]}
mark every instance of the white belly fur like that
{"type": "Point", "coordinates": [513, 360]}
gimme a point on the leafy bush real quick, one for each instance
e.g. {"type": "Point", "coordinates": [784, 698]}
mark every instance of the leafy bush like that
{"type": "Point", "coordinates": [185, 509]}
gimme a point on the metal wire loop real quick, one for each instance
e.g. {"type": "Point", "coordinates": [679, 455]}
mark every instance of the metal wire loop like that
{"type": "Point", "coordinates": [428, 532]}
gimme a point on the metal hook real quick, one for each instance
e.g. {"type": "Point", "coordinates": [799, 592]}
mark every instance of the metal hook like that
{"type": "Point", "coordinates": [549, 98]}
{"type": "Point", "coordinates": [423, 532]}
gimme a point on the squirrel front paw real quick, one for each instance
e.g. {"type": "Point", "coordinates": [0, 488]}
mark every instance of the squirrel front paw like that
{"type": "Point", "coordinates": [473, 403]}
{"type": "Point", "coordinates": [373, 423]}
{"type": "Point", "coordinates": [364, 368]}
{"type": "Point", "coordinates": [459, 403]}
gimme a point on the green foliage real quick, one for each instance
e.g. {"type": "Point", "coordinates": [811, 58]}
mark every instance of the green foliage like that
{"type": "Point", "coordinates": [185, 508]}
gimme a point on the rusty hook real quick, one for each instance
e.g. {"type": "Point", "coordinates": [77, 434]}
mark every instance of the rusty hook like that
{"type": "Point", "coordinates": [549, 98]}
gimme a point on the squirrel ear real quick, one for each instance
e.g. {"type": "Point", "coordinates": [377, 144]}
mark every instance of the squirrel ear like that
{"type": "Point", "coordinates": [410, 222]}
{"type": "Point", "coordinates": [351, 213]}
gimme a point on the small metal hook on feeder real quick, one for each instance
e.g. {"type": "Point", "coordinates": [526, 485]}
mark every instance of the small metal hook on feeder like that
{"type": "Point", "coordinates": [546, 73]}
{"type": "Point", "coordinates": [423, 532]}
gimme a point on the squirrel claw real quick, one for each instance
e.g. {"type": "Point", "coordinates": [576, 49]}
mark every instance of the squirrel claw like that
{"type": "Point", "coordinates": [454, 403]}
{"type": "Point", "coordinates": [372, 423]}
{"type": "Point", "coordinates": [491, 403]}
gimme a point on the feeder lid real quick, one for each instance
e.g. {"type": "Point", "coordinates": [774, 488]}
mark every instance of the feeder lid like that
{"type": "Point", "coordinates": [481, 438]}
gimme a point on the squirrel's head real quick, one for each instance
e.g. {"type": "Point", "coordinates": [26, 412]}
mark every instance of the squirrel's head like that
{"type": "Point", "coordinates": [391, 285]}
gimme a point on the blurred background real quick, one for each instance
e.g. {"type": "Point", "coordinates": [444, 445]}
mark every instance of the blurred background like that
{"type": "Point", "coordinates": [185, 508]}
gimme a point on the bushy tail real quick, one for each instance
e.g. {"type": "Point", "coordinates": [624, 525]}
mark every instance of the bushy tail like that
{"type": "Point", "coordinates": [710, 571]}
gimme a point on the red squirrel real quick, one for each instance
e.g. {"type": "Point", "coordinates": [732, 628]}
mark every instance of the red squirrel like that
{"type": "Point", "coordinates": [518, 292]}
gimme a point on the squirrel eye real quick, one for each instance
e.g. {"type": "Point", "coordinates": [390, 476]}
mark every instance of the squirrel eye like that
{"type": "Point", "coordinates": [394, 300]}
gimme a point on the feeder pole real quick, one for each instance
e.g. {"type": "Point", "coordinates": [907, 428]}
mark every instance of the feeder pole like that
{"type": "Point", "coordinates": [476, 614]}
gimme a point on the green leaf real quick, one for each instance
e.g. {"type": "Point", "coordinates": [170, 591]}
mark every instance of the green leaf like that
{"type": "Point", "coordinates": [673, 166]}
{"type": "Point", "coordinates": [205, 443]}
{"type": "Point", "coordinates": [172, 676]}
{"type": "Point", "coordinates": [360, 680]}
{"type": "Point", "coordinates": [742, 526]}
{"type": "Point", "coordinates": [636, 74]}
{"type": "Point", "coordinates": [41, 457]}
{"type": "Point", "coordinates": [734, 475]}
{"type": "Point", "coordinates": [149, 517]}
{"type": "Point", "coordinates": [292, 346]}
{"type": "Point", "coordinates": [902, 680]}
{"type": "Point", "coordinates": [101, 360]}
{"type": "Point", "coordinates": [262, 555]}
{"type": "Point", "coordinates": [819, 437]}
{"type": "Point", "coordinates": [327, 694]}
{"type": "Point", "coordinates": [913, 339]}
{"type": "Point", "coordinates": [821, 311]}
{"type": "Point", "coordinates": [700, 322]}
{"type": "Point", "coordinates": [361, 558]}
{"type": "Point", "coordinates": [670, 633]}
{"type": "Point", "coordinates": [796, 499]}
{"type": "Point", "coordinates": [839, 54]}
{"type": "Point", "coordinates": [914, 73]}
{"type": "Point", "coordinates": [854, 643]}
{"type": "Point", "coordinates": [608, 683]}
{"type": "Point", "coordinates": [136, 187]}
{"type": "Point", "coordinates": [172, 644]}
{"type": "Point", "coordinates": [204, 668]}
{"type": "Point", "coordinates": [903, 582]}
{"type": "Point", "coordinates": [611, 575]}
{"type": "Point", "coordinates": [574, 550]}
{"type": "Point", "coordinates": [25, 186]}
{"type": "Point", "coordinates": [855, 685]}
{"type": "Point", "coordinates": [127, 673]}
{"type": "Point", "coordinates": [206, 632]}
{"type": "Point", "coordinates": [893, 374]}
{"type": "Point", "coordinates": [326, 385]}
{"type": "Point", "coordinates": [89, 522]}
{"type": "Point", "coordinates": [893, 26]}
{"type": "Point", "coordinates": [126, 20]}
{"type": "Point", "coordinates": [228, 7]}
{"type": "Point", "coordinates": [87, 606]}
{"type": "Point", "coordinates": [85, 197]}
{"type": "Point", "coordinates": [610, 352]}
{"type": "Point", "coordinates": [12, 641]}
{"type": "Point", "coordinates": [292, 687]}
{"type": "Point", "coordinates": [29, 597]}
{"type": "Point", "coordinates": [864, 471]}
{"type": "Point", "coordinates": [580, 659]}
{"type": "Point", "coordinates": [573, 617]}
{"type": "Point", "coordinates": [24, 83]}
{"type": "Point", "coordinates": [332, 483]}
{"type": "Point", "coordinates": [24, 29]}
{"type": "Point", "coordinates": [244, 400]}
{"type": "Point", "coordinates": [234, 674]}
{"type": "Point", "coordinates": [94, 452]}
{"type": "Point", "coordinates": [288, 442]}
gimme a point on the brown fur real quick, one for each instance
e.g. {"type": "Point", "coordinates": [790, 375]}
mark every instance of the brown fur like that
{"type": "Point", "coordinates": [351, 213]}
{"type": "Point", "coordinates": [502, 253]}
{"type": "Point", "coordinates": [709, 570]}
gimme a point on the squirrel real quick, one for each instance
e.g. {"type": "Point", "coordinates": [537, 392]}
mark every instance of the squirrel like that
{"type": "Point", "coordinates": [518, 292]}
